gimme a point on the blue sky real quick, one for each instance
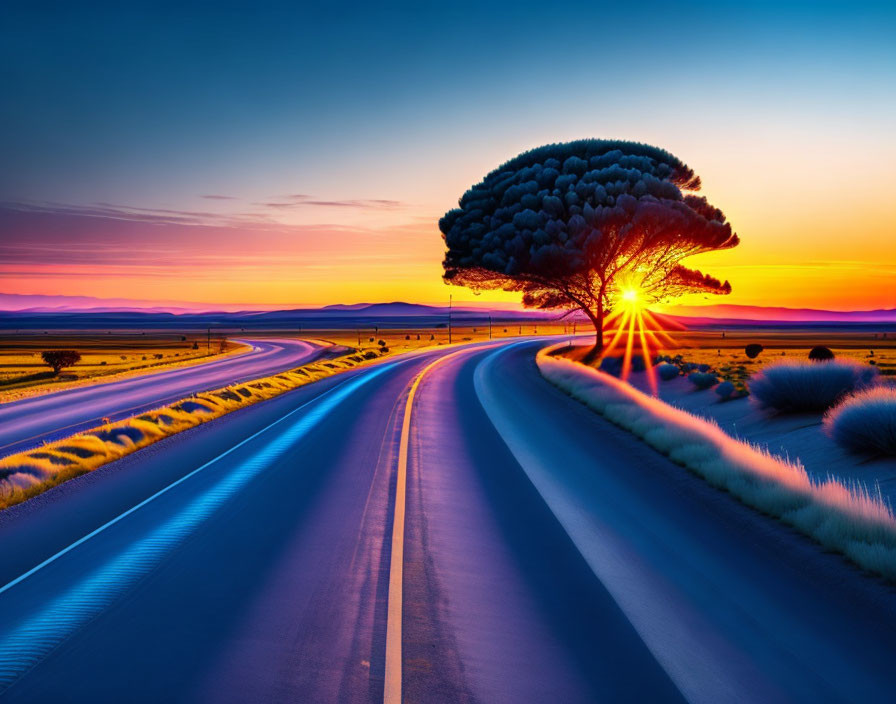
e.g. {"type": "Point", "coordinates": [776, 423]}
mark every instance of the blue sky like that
{"type": "Point", "coordinates": [155, 105]}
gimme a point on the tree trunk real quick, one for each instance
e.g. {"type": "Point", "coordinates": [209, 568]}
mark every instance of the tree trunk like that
{"type": "Point", "coordinates": [597, 319]}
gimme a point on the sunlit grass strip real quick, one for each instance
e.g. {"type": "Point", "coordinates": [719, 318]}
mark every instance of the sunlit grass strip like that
{"type": "Point", "coordinates": [29, 473]}
{"type": "Point", "coordinates": [847, 519]}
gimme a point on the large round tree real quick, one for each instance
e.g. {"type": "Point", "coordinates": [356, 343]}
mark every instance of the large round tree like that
{"type": "Point", "coordinates": [573, 225]}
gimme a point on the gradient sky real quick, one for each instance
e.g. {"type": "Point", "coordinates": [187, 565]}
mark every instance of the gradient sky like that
{"type": "Point", "coordinates": [302, 155]}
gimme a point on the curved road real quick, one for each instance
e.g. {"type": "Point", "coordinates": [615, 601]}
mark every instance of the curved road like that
{"type": "Point", "coordinates": [32, 421]}
{"type": "Point", "coordinates": [444, 527]}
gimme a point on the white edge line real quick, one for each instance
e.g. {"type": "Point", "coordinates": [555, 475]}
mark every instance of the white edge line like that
{"type": "Point", "coordinates": [164, 490]}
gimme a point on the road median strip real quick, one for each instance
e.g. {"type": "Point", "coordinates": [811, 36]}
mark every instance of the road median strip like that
{"type": "Point", "coordinates": [31, 472]}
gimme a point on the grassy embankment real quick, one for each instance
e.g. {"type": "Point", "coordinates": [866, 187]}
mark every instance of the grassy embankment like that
{"type": "Point", "coordinates": [26, 474]}
{"type": "Point", "coordinates": [103, 358]}
{"type": "Point", "coordinates": [844, 519]}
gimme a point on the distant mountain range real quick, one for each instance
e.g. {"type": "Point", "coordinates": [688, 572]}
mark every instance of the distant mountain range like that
{"type": "Point", "coordinates": [39, 303]}
{"type": "Point", "coordinates": [77, 312]}
{"type": "Point", "coordinates": [725, 311]}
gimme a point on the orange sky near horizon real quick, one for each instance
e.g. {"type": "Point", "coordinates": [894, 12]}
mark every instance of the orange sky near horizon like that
{"type": "Point", "coordinates": [812, 235]}
{"type": "Point", "coordinates": [810, 256]}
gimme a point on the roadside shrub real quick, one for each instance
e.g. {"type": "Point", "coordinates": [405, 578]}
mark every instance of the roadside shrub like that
{"type": "Point", "coordinates": [798, 387]}
{"type": "Point", "coordinates": [703, 380]}
{"type": "Point", "coordinates": [613, 365]}
{"type": "Point", "coordinates": [752, 351]}
{"type": "Point", "coordinates": [667, 371]}
{"type": "Point", "coordinates": [725, 389]}
{"type": "Point", "coordinates": [821, 354]}
{"type": "Point", "coordinates": [865, 422]}
{"type": "Point", "coordinates": [59, 359]}
{"type": "Point", "coordinates": [191, 407]}
{"type": "Point", "coordinates": [81, 452]}
{"type": "Point", "coordinates": [116, 434]}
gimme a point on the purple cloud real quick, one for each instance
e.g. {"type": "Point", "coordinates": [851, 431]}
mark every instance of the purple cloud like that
{"type": "Point", "coordinates": [300, 201]}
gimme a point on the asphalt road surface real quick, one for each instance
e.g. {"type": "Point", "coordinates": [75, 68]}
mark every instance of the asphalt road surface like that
{"type": "Point", "coordinates": [445, 527]}
{"type": "Point", "coordinates": [32, 421]}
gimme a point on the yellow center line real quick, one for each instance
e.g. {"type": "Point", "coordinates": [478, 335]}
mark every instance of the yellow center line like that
{"type": "Point", "coordinates": [392, 689]}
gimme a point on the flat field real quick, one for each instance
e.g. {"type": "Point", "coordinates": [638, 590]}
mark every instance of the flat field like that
{"type": "Point", "coordinates": [106, 356]}
{"type": "Point", "coordinates": [728, 346]}
{"type": "Point", "coordinates": [718, 348]}
{"type": "Point", "coordinates": [412, 338]}
{"type": "Point", "coordinates": [727, 358]}
{"type": "Point", "coordinates": [103, 357]}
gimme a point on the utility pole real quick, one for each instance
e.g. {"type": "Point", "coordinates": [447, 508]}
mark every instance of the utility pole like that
{"type": "Point", "coordinates": [359, 338]}
{"type": "Point", "coordinates": [450, 305]}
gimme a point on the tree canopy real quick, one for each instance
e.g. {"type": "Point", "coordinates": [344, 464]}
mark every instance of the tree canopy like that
{"type": "Point", "coordinates": [59, 359]}
{"type": "Point", "coordinates": [569, 224]}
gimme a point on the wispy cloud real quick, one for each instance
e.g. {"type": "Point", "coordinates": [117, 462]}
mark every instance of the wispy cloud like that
{"type": "Point", "coordinates": [300, 200]}
{"type": "Point", "coordinates": [47, 239]}
{"type": "Point", "coordinates": [215, 196]}
{"type": "Point", "coordinates": [167, 216]}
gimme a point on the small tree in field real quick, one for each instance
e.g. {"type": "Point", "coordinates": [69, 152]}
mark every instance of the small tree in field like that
{"type": "Point", "coordinates": [576, 225]}
{"type": "Point", "coordinates": [59, 359]}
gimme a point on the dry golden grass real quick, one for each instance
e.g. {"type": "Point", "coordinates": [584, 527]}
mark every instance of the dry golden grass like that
{"type": "Point", "coordinates": [714, 349]}
{"type": "Point", "coordinates": [408, 339]}
{"type": "Point", "coordinates": [724, 351]}
{"type": "Point", "coordinates": [727, 359]}
{"type": "Point", "coordinates": [103, 358]}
